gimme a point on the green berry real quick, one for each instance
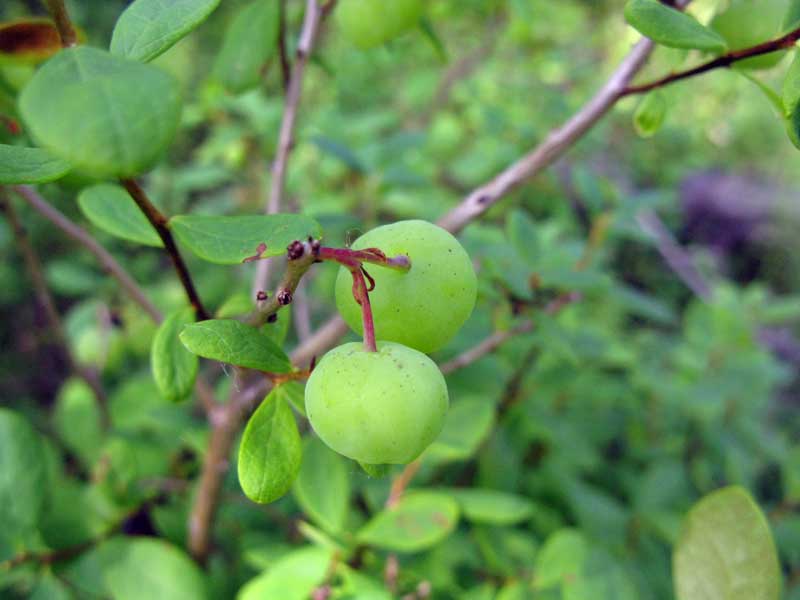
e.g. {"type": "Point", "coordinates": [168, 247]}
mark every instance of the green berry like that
{"type": "Point", "coordinates": [424, 307]}
{"type": "Point", "coordinates": [381, 407]}
{"type": "Point", "coordinates": [370, 23]}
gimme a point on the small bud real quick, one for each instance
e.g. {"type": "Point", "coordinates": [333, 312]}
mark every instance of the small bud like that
{"type": "Point", "coordinates": [284, 297]}
{"type": "Point", "coordinates": [295, 250]}
{"type": "Point", "coordinates": [315, 246]}
{"type": "Point", "coordinates": [272, 318]}
{"type": "Point", "coordinates": [261, 296]}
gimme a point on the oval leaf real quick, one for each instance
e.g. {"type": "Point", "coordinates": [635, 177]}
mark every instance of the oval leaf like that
{"type": "Point", "coordinates": [174, 367]}
{"type": "Point", "coordinates": [270, 452]}
{"type": "Point", "coordinates": [561, 559]}
{"type": "Point", "coordinates": [420, 520]}
{"type": "Point", "coordinates": [791, 101]}
{"type": "Point", "coordinates": [230, 240]}
{"type": "Point", "coordinates": [235, 343]}
{"type": "Point", "coordinates": [491, 506]}
{"type": "Point", "coordinates": [148, 28]}
{"type": "Point", "coordinates": [114, 117]}
{"type": "Point", "coordinates": [467, 424]}
{"type": "Point", "coordinates": [29, 165]}
{"type": "Point", "coordinates": [250, 40]}
{"type": "Point", "coordinates": [670, 27]}
{"type": "Point", "coordinates": [78, 421]}
{"type": "Point", "coordinates": [151, 568]}
{"type": "Point", "coordinates": [293, 576]}
{"type": "Point", "coordinates": [22, 480]}
{"type": "Point", "coordinates": [323, 487]}
{"type": "Point", "coordinates": [725, 551]}
{"type": "Point", "coordinates": [650, 114]}
{"type": "Point", "coordinates": [111, 208]}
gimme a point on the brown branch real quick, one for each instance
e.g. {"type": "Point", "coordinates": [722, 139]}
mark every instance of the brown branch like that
{"type": "Point", "coordinates": [401, 482]}
{"type": "Point", "coordinates": [555, 144]}
{"type": "Point", "coordinates": [486, 346]}
{"type": "Point", "coordinates": [305, 46]}
{"type": "Point", "coordinates": [159, 223]}
{"type": "Point", "coordinates": [286, 67]}
{"type": "Point", "coordinates": [721, 62]}
{"type": "Point", "coordinates": [47, 303]}
{"type": "Point", "coordinates": [63, 23]}
{"type": "Point", "coordinates": [673, 254]}
{"type": "Point", "coordinates": [108, 262]}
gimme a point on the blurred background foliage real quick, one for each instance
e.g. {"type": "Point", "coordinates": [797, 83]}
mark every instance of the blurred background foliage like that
{"type": "Point", "coordinates": [605, 423]}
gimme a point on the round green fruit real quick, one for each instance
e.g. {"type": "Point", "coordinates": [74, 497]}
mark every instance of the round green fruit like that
{"type": "Point", "coordinates": [748, 23]}
{"type": "Point", "coordinates": [381, 407]}
{"type": "Point", "coordinates": [424, 307]}
{"type": "Point", "coordinates": [370, 23]}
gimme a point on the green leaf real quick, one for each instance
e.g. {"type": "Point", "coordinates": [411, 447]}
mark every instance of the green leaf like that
{"type": "Point", "coordinates": [420, 520]}
{"type": "Point", "coordinates": [111, 208]}
{"type": "Point", "coordinates": [250, 41]}
{"type": "Point", "coordinates": [148, 28]}
{"type": "Point", "coordinates": [50, 588]}
{"type": "Point", "coordinates": [114, 117]}
{"type": "Point", "coordinates": [77, 420]}
{"type": "Point", "coordinates": [235, 343]}
{"type": "Point", "coordinates": [174, 367]}
{"type": "Point", "coordinates": [292, 577]}
{"type": "Point", "coordinates": [670, 27]}
{"type": "Point", "coordinates": [467, 424]}
{"type": "Point", "coordinates": [270, 452]}
{"type": "Point", "coordinates": [650, 114]}
{"type": "Point", "coordinates": [151, 568]}
{"type": "Point", "coordinates": [23, 480]}
{"type": "Point", "coordinates": [491, 506]}
{"type": "Point", "coordinates": [29, 165]}
{"type": "Point", "coordinates": [322, 488]}
{"type": "Point", "coordinates": [229, 240]}
{"type": "Point", "coordinates": [375, 471]}
{"type": "Point", "coordinates": [791, 100]}
{"type": "Point", "coordinates": [792, 18]}
{"type": "Point", "coordinates": [560, 559]}
{"type": "Point", "coordinates": [725, 551]}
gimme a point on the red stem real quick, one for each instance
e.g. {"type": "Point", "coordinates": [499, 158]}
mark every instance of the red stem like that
{"type": "Point", "coordinates": [374, 256]}
{"type": "Point", "coordinates": [361, 295]}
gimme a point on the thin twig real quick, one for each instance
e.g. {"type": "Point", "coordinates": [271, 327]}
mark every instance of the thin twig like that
{"type": "Point", "coordinates": [46, 301]}
{"type": "Point", "coordinates": [301, 313]}
{"type": "Point", "coordinates": [555, 144]}
{"type": "Point", "coordinates": [66, 31]}
{"type": "Point", "coordinates": [401, 482]}
{"type": "Point", "coordinates": [674, 254]}
{"type": "Point", "coordinates": [108, 262]}
{"type": "Point", "coordinates": [305, 46]}
{"type": "Point", "coordinates": [286, 67]}
{"type": "Point", "coordinates": [721, 62]}
{"type": "Point", "coordinates": [159, 223]}
{"type": "Point", "coordinates": [486, 346]}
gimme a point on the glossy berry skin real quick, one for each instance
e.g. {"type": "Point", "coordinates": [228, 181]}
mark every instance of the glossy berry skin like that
{"type": "Point", "coordinates": [424, 307]}
{"type": "Point", "coordinates": [381, 407]}
{"type": "Point", "coordinates": [370, 23]}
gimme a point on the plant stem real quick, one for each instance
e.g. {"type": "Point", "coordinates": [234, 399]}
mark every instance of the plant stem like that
{"type": "Point", "coordinates": [159, 223]}
{"type": "Point", "coordinates": [48, 305]}
{"type": "Point", "coordinates": [305, 46]}
{"type": "Point", "coordinates": [108, 262]}
{"type": "Point", "coordinates": [361, 294]}
{"type": "Point", "coordinates": [724, 61]}
{"type": "Point", "coordinates": [373, 256]}
{"type": "Point", "coordinates": [63, 23]}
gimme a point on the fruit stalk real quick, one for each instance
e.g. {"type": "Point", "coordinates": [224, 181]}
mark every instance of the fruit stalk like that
{"type": "Point", "coordinates": [373, 256]}
{"type": "Point", "coordinates": [361, 294]}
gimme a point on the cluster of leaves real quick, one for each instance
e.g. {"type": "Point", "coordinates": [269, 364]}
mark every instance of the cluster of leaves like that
{"type": "Point", "coordinates": [572, 456]}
